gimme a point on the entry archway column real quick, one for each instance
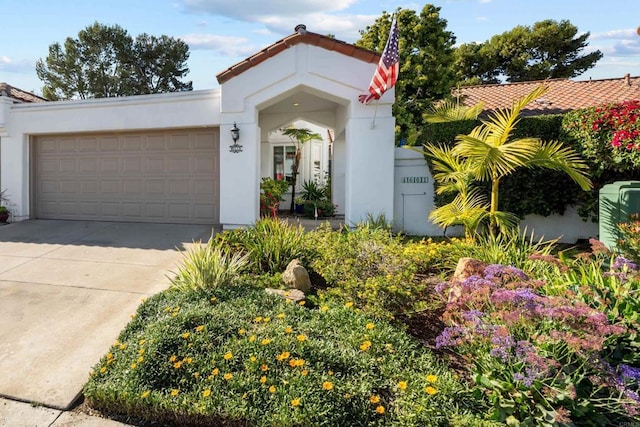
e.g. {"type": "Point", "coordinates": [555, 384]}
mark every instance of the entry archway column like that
{"type": "Point", "coordinates": [239, 175]}
{"type": "Point", "coordinates": [369, 173]}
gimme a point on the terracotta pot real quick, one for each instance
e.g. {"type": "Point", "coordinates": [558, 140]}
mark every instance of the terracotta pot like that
{"type": "Point", "coordinates": [4, 216]}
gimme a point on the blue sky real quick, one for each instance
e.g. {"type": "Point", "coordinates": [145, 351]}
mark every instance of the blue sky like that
{"type": "Point", "coordinates": [223, 32]}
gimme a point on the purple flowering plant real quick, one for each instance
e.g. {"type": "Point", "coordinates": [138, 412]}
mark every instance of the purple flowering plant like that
{"type": "Point", "coordinates": [534, 354]}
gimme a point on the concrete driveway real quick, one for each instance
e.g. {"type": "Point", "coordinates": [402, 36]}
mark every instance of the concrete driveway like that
{"type": "Point", "coordinates": [67, 288]}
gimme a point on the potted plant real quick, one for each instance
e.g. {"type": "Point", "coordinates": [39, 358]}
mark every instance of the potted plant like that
{"type": "Point", "coordinates": [271, 192]}
{"type": "Point", "coordinates": [4, 211]}
{"type": "Point", "coordinates": [4, 214]}
{"type": "Point", "coordinates": [299, 205]}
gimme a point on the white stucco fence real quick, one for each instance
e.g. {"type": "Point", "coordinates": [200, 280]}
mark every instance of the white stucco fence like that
{"type": "Point", "coordinates": [413, 200]}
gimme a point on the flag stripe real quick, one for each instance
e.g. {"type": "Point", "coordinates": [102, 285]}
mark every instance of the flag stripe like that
{"type": "Point", "coordinates": [386, 73]}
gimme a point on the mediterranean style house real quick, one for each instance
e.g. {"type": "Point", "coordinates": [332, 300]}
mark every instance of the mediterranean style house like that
{"type": "Point", "coordinates": [173, 158]}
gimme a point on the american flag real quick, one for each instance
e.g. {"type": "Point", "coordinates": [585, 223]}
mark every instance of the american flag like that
{"type": "Point", "coordinates": [387, 72]}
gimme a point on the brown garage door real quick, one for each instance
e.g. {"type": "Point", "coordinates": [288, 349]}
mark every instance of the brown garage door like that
{"type": "Point", "coordinates": [165, 176]}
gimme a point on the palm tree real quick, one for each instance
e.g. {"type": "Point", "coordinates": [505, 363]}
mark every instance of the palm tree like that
{"type": "Point", "coordinates": [299, 137]}
{"type": "Point", "coordinates": [469, 207]}
{"type": "Point", "coordinates": [489, 153]}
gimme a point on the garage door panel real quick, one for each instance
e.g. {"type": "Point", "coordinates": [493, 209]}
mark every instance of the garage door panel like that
{"type": "Point", "coordinates": [67, 146]}
{"type": "Point", "coordinates": [89, 166]}
{"type": "Point", "coordinates": [148, 177]}
{"type": "Point", "coordinates": [89, 209]}
{"type": "Point", "coordinates": [154, 165]}
{"type": "Point", "coordinates": [109, 144]}
{"type": "Point", "coordinates": [89, 145]}
{"type": "Point", "coordinates": [132, 143]}
{"type": "Point", "coordinates": [179, 164]}
{"type": "Point", "coordinates": [178, 143]}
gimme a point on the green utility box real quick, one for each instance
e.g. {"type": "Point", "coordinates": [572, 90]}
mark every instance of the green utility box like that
{"type": "Point", "coordinates": [617, 202]}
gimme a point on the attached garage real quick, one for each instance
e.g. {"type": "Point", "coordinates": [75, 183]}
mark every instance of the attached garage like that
{"type": "Point", "coordinates": [168, 176]}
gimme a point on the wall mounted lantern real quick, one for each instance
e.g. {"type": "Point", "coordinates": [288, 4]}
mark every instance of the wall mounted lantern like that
{"type": "Point", "coordinates": [235, 135]}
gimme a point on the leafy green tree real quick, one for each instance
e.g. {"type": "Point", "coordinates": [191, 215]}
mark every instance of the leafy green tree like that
{"type": "Point", "coordinates": [104, 61]}
{"type": "Point", "coordinates": [426, 61]}
{"type": "Point", "coordinates": [299, 136]}
{"type": "Point", "coordinates": [489, 153]}
{"type": "Point", "coordinates": [159, 64]}
{"type": "Point", "coordinates": [548, 49]}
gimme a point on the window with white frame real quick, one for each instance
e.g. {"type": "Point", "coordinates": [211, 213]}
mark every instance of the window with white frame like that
{"type": "Point", "coordinates": [283, 158]}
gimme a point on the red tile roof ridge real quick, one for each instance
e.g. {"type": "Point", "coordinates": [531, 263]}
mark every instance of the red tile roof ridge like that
{"type": "Point", "coordinates": [300, 36]}
{"type": "Point", "coordinates": [564, 94]}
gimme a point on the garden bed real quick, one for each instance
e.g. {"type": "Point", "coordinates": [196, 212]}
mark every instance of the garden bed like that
{"type": "Point", "coordinates": [379, 339]}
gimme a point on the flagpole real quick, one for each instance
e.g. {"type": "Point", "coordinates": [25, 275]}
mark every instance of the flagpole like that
{"type": "Point", "coordinates": [375, 112]}
{"type": "Point", "coordinates": [386, 74]}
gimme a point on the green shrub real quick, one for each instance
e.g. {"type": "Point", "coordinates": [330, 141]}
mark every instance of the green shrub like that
{"type": "Point", "coordinates": [629, 242]}
{"type": "Point", "coordinates": [313, 191]}
{"type": "Point", "coordinates": [431, 256]}
{"type": "Point", "coordinates": [237, 356]}
{"type": "Point", "coordinates": [365, 267]}
{"type": "Point", "coordinates": [208, 266]}
{"type": "Point", "coordinates": [270, 244]}
{"type": "Point", "coordinates": [324, 208]}
{"type": "Point", "coordinates": [271, 193]}
{"type": "Point", "coordinates": [514, 248]}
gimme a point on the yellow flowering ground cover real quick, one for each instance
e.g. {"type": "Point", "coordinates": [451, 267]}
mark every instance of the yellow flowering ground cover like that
{"type": "Point", "coordinates": [219, 360]}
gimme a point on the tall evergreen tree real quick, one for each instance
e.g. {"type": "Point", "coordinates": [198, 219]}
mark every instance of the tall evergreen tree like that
{"type": "Point", "coordinates": [548, 49]}
{"type": "Point", "coordinates": [104, 61]}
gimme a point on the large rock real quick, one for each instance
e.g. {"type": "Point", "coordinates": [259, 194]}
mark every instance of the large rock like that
{"type": "Point", "coordinates": [294, 295]}
{"type": "Point", "coordinates": [296, 277]}
{"type": "Point", "coordinates": [466, 268]}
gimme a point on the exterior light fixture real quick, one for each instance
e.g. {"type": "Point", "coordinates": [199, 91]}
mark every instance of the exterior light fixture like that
{"type": "Point", "coordinates": [235, 135]}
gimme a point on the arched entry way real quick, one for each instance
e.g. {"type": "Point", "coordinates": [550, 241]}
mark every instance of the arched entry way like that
{"type": "Point", "coordinates": [301, 109]}
{"type": "Point", "coordinates": [317, 79]}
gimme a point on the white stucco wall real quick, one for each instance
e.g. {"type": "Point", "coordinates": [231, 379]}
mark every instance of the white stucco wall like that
{"type": "Point", "coordinates": [20, 121]}
{"type": "Point", "coordinates": [413, 200]}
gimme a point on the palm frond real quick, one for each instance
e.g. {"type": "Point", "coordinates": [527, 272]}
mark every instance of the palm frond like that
{"type": "Point", "coordinates": [450, 111]}
{"type": "Point", "coordinates": [502, 122]}
{"type": "Point", "coordinates": [554, 155]}
{"type": "Point", "coordinates": [506, 221]}
{"type": "Point", "coordinates": [468, 210]}
{"type": "Point", "coordinates": [451, 171]}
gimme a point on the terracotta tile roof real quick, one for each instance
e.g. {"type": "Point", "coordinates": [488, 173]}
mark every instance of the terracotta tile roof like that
{"type": "Point", "coordinates": [563, 95]}
{"type": "Point", "coordinates": [19, 94]}
{"type": "Point", "coordinates": [301, 35]}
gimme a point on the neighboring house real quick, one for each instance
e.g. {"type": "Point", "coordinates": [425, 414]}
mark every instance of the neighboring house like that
{"type": "Point", "coordinates": [19, 95]}
{"type": "Point", "coordinates": [167, 157]}
{"type": "Point", "coordinates": [564, 95]}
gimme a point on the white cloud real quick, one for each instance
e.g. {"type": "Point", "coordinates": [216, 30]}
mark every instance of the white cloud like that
{"type": "Point", "coordinates": [252, 10]}
{"type": "Point", "coordinates": [10, 66]}
{"type": "Point", "coordinates": [225, 45]}
{"type": "Point", "coordinates": [482, 18]}
{"type": "Point", "coordinates": [614, 34]}
{"type": "Point", "coordinates": [485, 1]}
{"type": "Point", "coordinates": [282, 16]}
